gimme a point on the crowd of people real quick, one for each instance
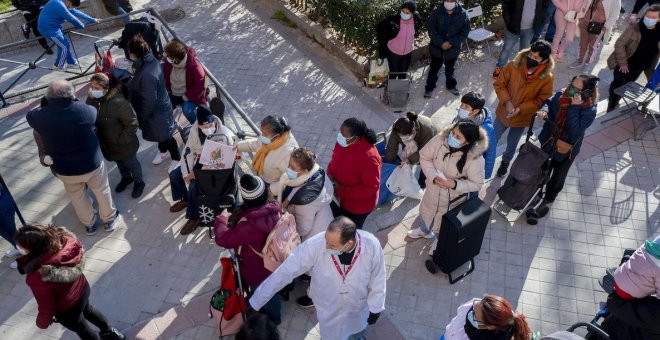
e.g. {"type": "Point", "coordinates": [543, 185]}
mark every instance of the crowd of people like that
{"type": "Point", "coordinates": [343, 264]}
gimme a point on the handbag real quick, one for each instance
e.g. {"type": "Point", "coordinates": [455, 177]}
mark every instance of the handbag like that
{"type": "Point", "coordinates": [563, 147]}
{"type": "Point", "coordinates": [571, 15]}
{"type": "Point", "coordinates": [594, 27]}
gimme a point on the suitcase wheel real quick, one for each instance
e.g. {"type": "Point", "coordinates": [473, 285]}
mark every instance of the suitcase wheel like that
{"type": "Point", "coordinates": [431, 266]}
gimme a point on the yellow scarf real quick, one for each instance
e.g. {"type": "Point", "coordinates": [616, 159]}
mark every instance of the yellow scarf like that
{"type": "Point", "coordinates": [260, 157]}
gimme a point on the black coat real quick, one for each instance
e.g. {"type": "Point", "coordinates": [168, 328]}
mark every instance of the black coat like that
{"type": "Point", "coordinates": [512, 13]}
{"type": "Point", "coordinates": [29, 5]}
{"type": "Point", "coordinates": [116, 126]}
{"type": "Point", "coordinates": [150, 100]}
{"type": "Point", "coordinates": [388, 29]}
{"type": "Point", "coordinates": [459, 28]}
{"type": "Point", "coordinates": [637, 319]}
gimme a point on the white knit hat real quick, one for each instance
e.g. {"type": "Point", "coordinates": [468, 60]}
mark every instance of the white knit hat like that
{"type": "Point", "coordinates": [251, 187]}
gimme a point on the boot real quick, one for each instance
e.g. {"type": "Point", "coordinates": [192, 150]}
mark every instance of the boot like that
{"type": "Point", "coordinates": [503, 169]}
{"type": "Point", "coordinates": [112, 334]}
{"type": "Point", "coordinates": [138, 189]}
{"type": "Point", "coordinates": [543, 209]}
{"type": "Point", "coordinates": [121, 186]}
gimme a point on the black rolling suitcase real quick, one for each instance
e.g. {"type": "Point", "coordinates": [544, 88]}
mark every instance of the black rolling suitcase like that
{"type": "Point", "coordinates": [461, 234]}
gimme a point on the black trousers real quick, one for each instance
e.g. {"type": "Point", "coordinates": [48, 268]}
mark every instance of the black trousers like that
{"type": "Point", "coordinates": [31, 20]}
{"type": "Point", "coordinates": [77, 316]}
{"type": "Point", "coordinates": [619, 80]}
{"type": "Point", "coordinates": [557, 178]}
{"type": "Point", "coordinates": [358, 219]}
{"type": "Point", "coordinates": [398, 63]}
{"type": "Point", "coordinates": [172, 146]}
{"type": "Point", "coordinates": [436, 65]}
{"type": "Point", "coordinates": [422, 179]}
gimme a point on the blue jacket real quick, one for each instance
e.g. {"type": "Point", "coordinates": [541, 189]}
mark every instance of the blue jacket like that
{"type": "Point", "coordinates": [485, 119]}
{"type": "Point", "coordinates": [655, 79]}
{"type": "Point", "coordinates": [578, 119]}
{"type": "Point", "coordinates": [66, 127]}
{"type": "Point", "coordinates": [53, 15]}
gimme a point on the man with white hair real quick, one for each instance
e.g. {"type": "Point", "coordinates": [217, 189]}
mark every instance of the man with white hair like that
{"type": "Point", "coordinates": [66, 129]}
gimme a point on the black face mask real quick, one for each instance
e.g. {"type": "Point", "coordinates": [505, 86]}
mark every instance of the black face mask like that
{"type": "Point", "coordinates": [531, 63]}
{"type": "Point", "coordinates": [485, 334]}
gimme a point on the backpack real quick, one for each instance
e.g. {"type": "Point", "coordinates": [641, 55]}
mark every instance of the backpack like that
{"type": "Point", "coordinates": [281, 242]}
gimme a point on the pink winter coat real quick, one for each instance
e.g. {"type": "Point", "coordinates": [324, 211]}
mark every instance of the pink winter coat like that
{"type": "Point", "coordinates": [639, 276]}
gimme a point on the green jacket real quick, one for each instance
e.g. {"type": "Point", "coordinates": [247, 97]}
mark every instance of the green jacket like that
{"type": "Point", "coordinates": [424, 131]}
{"type": "Point", "coordinates": [116, 126]}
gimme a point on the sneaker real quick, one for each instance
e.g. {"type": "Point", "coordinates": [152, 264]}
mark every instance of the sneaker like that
{"type": "Point", "coordinates": [305, 302]}
{"type": "Point", "coordinates": [173, 165]}
{"type": "Point", "coordinates": [454, 91]}
{"type": "Point", "coordinates": [13, 265]}
{"type": "Point", "coordinates": [138, 189]}
{"type": "Point", "coordinates": [12, 252]}
{"type": "Point", "coordinates": [497, 71]}
{"type": "Point", "coordinates": [503, 169]}
{"type": "Point", "coordinates": [26, 31]}
{"type": "Point", "coordinates": [178, 206]}
{"type": "Point", "coordinates": [57, 68]}
{"type": "Point", "coordinates": [112, 334]}
{"type": "Point", "coordinates": [49, 51]}
{"type": "Point", "coordinates": [428, 94]}
{"type": "Point", "coordinates": [189, 227]}
{"type": "Point", "coordinates": [112, 225]}
{"type": "Point", "coordinates": [91, 230]}
{"type": "Point", "coordinates": [160, 157]}
{"type": "Point", "coordinates": [575, 64]}
{"type": "Point", "coordinates": [417, 233]}
{"type": "Point", "coordinates": [121, 186]}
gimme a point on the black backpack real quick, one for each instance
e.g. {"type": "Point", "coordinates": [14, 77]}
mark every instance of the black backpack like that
{"type": "Point", "coordinates": [149, 33]}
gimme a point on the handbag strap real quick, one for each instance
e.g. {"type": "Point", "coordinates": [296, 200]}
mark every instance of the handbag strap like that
{"type": "Point", "coordinates": [593, 4]}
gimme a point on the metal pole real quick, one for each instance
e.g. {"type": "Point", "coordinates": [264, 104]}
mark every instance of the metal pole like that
{"type": "Point", "coordinates": [18, 212]}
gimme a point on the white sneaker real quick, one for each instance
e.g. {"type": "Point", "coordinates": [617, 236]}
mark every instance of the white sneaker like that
{"type": "Point", "coordinates": [57, 68]}
{"type": "Point", "coordinates": [160, 157]}
{"type": "Point", "coordinates": [417, 233]}
{"type": "Point", "coordinates": [575, 64]}
{"type": "Point", "coordinates": [13, 265]}
{"type": "Point", "coordinates": [12, 252]}
{"type": "Point", "coordinates": [173, 165]}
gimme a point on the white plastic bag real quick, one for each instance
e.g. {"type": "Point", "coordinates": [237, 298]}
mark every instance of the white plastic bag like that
{"type": "Point", "coordinates": [402, 182]}
{"type": "Point", "coordinates": [378, 71]}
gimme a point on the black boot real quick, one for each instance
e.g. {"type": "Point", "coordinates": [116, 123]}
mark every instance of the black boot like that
{"type": "Point", "coordinates": [543, 209]}
{"type": "Point", "coordinates": [503, 169]}
{"type": "Point", "coordinates": [121, 186]}
{"type": "Point", "coordinates": [138, 188]}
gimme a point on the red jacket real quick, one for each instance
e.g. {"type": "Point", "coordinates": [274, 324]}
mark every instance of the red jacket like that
{"type": "Point", "coordinates": [195, 78]}
{"type": "Point", "coordinates": [250, 232]}
{"type": "Point", "coordinates": [357, 170]}
{"type": "Point", "coordinates": [56, 280]}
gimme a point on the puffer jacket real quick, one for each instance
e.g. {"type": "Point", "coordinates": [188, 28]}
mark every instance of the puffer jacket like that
{"type": "Point", "coordinates": [433, 159]}
{"type": "Point", "coordinates": [310, 202]}
{"type": "Point", "coordinates": [196, 90]}
{"type": "Point", "coordinates": [388, 29]}
{"type": "Point", "coordinates": [116, 125]}
{"type": "Point", "coordinates": [194, 143]}
{"type": "Point", "coordinates": [150, 100]}
{"type": "Point", "coordinates": [527, 94]}
{"type": "Point", "coordinates": [485, 119]}
{"type": "Point", "coordinates": [626, 45]}
{"type": "Point", "coordinates": [56, 279]}
{"type": "Point", "coordinates": [276, 161]}
{"type": "Point", "coordinates": [424, 131]}
{"type": "Point", "coordinates": [246, 237]}
{"type": "Point", "coordinates": [640, 275]}
{"type": "Point", "coordinates": [457, 32]}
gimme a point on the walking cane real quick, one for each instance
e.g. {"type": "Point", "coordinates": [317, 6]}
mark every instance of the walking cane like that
{"type": "Point", "coordinates": [18, 212]}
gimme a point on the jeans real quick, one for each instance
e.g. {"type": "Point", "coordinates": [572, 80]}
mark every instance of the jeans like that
{"type": "Point", "coordinates": [398, 63]}
{"type": "Point", "coordinates": [64, 53]}
{"type": "Point", "coordinates": [619, 80]}
{"type": "Point", "coordinates": [121, 11]}
{"type": "Point", "coordinates": [357, 336]}
{"type": "Point", "coordinates": [510, 40]}
{"type": "Point", "coordinates": [31, 20]}
{"type": "Point", "coordinates": [77, 316]}
{"type": "Point", "coordinates": [557, 178]}
{"type": "Point", "coordinates": [7, 220]}
{"type": "Point", "coordinates": [423, 227]}
{"type": "Point", "coordinates": [180, 192]}
{"type": "Point", "coordinates": [172, 146]}
{"type": "Point", "coordinates": [436, 65]}
{"type": "Point", "coordinates": [130, 168]}
{"type": "Point", "coordinates": [548, 19]}
{"type": "Point", "coordinates": [188, 108]}
{"type": "Point", "coordinates": [512, 140]}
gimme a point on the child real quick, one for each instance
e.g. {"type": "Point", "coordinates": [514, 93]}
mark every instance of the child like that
{"type": "Point", "coordinates": [472, 107]}
{"type": "Point", "coordinates": [640, 276]}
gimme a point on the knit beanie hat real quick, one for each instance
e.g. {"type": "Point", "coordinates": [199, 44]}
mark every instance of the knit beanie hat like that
{"type": "Point", "coordinates": [253, 190]}
{"type": "Point", "coordinates": [204, 115]}
{"type": "Point", "coordinates": [653, 247]}
{"type": "Point", "coordinates": [409, 5]}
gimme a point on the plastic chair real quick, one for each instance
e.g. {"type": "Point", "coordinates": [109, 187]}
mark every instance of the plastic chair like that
{"type": "Point", "coordinates": [478, 35]}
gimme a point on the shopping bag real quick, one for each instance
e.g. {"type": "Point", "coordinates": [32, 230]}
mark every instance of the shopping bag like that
{"type": "Point", "coordinates": [402, 182]}
{"type": "Point", "coordinates": [378, 71]}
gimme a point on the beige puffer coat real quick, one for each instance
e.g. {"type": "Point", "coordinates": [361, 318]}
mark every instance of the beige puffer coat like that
{"type": "Point", "coordinates": [432, 158]}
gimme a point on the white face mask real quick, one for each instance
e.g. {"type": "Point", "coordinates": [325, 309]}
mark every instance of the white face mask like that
{"type": "Point", "coordinates": [462, 113]}
{"type": "Point", "coordinates": [405, 16]}
{"type": "Point", "coordinates": [209, 131]}
{"type": "Point", "coordinates": [406, 138]}
{"type": "Point", "coordinates": [450, 5]}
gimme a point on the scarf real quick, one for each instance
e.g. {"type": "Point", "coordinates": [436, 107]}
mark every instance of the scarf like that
{"type": "Point", "coordinates": [299, 181]}
{"type": "Point", "coordinates": [260, 156]}
{"type": "Point", "coordinates": [564, 104]}
{"type": "Point", "coordinates": [536, 72]}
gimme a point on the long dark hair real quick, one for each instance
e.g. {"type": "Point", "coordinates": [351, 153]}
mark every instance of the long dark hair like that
{"type": "Point", "coordinates": [276, 124]}
{"type": "Point", "coordinates": [40, 239]}
{"type": "Point", "coordinates": [470, 131]}
{"type": "Point", "coordinates": [405, 125]}
{"type": "Point", "coordinates": [359, 128]}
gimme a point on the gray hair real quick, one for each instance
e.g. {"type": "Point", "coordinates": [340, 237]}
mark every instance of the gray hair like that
{"type": "Point", "coordinates": [60, 89]}
{"type": "Point", "coordinates": [345, 226]}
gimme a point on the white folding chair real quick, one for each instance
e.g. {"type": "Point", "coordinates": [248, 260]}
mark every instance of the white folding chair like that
{"type": "Point", "coordinates": [478, 35]}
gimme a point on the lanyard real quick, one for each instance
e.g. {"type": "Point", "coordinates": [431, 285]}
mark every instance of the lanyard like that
{"type": "Point", "coordinates": [357, 254]}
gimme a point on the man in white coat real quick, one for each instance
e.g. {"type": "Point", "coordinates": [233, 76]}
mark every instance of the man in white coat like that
{"type": "Point", "coordinates": [348, 279]}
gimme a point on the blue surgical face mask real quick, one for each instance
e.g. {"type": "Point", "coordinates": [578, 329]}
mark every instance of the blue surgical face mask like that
{"type": "Point", "coordinates": [462, 113]}
{"type": "Point", "coordinates": [405, 16]}
{"type": "Point", "coordinates": [97, 93]}
{"type": "Point", "coordinates": [265, 140]}
{"type": "Point", "coordinates": [471, 318]}
{"type": "Point", "coordinates": [649, 22]}
{"type": "Point", "coordinates": [343, 141]}
{"type": "Point", "coordinates": [291, 174]}
{"type": "Point", "coordinates": [453, 142]}
{"type": "Point", "coordinates": [334, 252]}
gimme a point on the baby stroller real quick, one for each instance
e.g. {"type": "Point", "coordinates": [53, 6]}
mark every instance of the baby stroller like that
{"type": "Point", "coordinates": [397, 90]}
{"type": "Point", "coordinates": [529, 173]}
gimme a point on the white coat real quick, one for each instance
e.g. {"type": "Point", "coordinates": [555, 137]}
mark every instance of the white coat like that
{"type": "Point", "coordinates": [276, 161]}
{"type": "Point", "coordinates": [196, 145]}
{"type": "Point", "coordinates": [455, 329]}
{"type": "Point", "coordinates": [340, 315]}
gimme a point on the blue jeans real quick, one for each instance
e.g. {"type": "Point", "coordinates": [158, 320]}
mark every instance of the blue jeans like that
{"type": "Point", "coordinates": [358, 335]}
{"type": "Point", "coordinates": [188, 108]}
{"type": "Point", "coordinates": [511, 141]}
{"type": "Point", "coordinates": [180, 192]}
{"type": "Point", "coordinates": [7, 221]}
{"type": "Point", "coordinates": [510, 40]}
{"type": "Point", "coordinates": [423, 227]}
{"type": "Point", "coordinates": [548, 19]}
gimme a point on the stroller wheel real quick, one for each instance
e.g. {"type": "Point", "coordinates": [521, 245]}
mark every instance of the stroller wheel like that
{"type": "Point", "coordinates": [532, 216]}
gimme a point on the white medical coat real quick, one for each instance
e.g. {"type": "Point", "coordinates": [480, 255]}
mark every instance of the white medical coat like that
{"type": "Point", "coordinates": [342, 307]}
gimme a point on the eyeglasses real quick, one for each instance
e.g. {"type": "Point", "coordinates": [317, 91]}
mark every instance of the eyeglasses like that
{"type": "Point", "coordinates": [472, 315]}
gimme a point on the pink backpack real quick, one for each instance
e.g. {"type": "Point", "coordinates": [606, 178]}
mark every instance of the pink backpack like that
{"type": "Point", "coordinates": [281, 242]}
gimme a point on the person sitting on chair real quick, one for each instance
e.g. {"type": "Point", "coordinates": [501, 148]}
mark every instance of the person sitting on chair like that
{"type": "Point", "coordinates": [186, 198]}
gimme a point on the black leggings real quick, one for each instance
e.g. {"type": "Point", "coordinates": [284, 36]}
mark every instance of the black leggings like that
{"type": "Point", "coordinates": [77, 316]}
{"type": "Point", "coordinates": [172, 146]}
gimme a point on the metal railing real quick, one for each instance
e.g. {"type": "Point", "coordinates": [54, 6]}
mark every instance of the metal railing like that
{"type": "Point", "coordinates": [165, 30]}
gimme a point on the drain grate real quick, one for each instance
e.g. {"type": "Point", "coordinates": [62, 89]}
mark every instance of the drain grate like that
{"type": "Point", "coordinates": [173, 14]}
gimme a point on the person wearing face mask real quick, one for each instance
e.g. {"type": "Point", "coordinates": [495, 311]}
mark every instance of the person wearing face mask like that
{"type": "Point", "coordinates": [572, 111]}
{"type": "Point", "coordinates": [473, 108]}
{"type": "Point", "coordinates": [411, 132]}
{"type": "Point", "coordinates": [50, 22]}
{"type": "Point", "coordinates": [448, 28]}
{"type": "Point", "coordinates": [453, 164]}
{"type": "Point", "coordinates": [348, 279]}
{"type": "Point", "coordinates": [489, 318]}
{"type": "Point", "coordinates": [184, 197]}
{"type": "Point", "coordinates": [635, 51]}
{"type": "Point", "coordinates": [605, 12]}
{"type": "Point", "coordinates": [522, 87]}
{"type": "Point", "coordinates": [355, 170]}
{"type": "Point", "coordinates": [272, 150]}
{"type": "Point", "coordinates": [116, 128]}
{"type": "Point", "coordinates": [396, 37]}
{"type": "Point", "coordinates": [185, 78]}
{"type": "Point", "coordinates": [53, 267]}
